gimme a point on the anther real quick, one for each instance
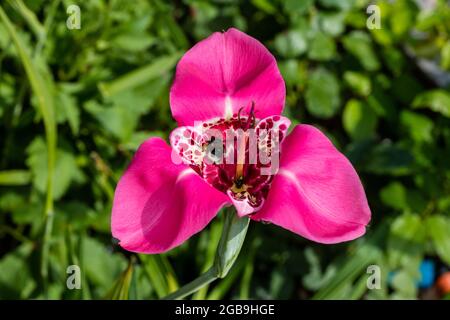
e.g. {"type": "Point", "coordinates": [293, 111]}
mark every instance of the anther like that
{"type": "Point", "coordinates": [239, 182]}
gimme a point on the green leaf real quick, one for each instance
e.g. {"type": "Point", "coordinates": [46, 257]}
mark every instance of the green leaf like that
{"type": "Point", "coordinates": [394, 196]}
{"type": "Point", "coordinates": [290, 69]}
{"type": "Point", "coordinates": [101, 267]}
{"type": "Point", "coordinates": [359, 120]}
{"type": "Point", "coordinates": [438, 229]}
{"type": "Point", "coordinates": [358, 82]}
{"type": "Point", "coordinates": [66, 169]}
{"type": "Point", "coordinates": [138, 137]}
{"type": "Point", "coordinates": [265, 6]}
{"type": "Point", "coordinates": [436, 100]}
{"type": "Point", "coordinates": [322, 47]}
{"type": "Point", "coordinates": [394, 59]}
{"type": "Point", "coordinates": [133, 36]}
{"type": "Point", "coordinates": [291, 44]}
{"type": "Point", "coordinates": [297, 7]}
{"type": "Point", "coordinates": [419, 127]}
{"type": "Point", "coordinates": [15, 177]}
{"type": "Point", "coordinates": [322, 94]}
{"type": "Point", "coordinates": [332, 23]}
{"type": "Point", "coordinates": [403, 18]}
{"type": "Point", "coordinates": [338, 4]}
{"type": "Point", "coordinates": [67, 108]}
{"type": "Point", "coordinates": [405, 285]}
{"type": "Point", "coordinates": [386, 158]}
{"type": "Point", "coordinates": [117, 119]}
{"type": "Point", "coordinates": [16, 281]}
{"type": "Point", "coordinates": [406, 240]}
{"type": "Point", "coordinates": [141, 98]}
{"type": "Point", "coordinates": [233, 235]}
{"type": "Point", "coordinates": [445, 56]}
{"type": "Point", "coordinates": [359, 44]}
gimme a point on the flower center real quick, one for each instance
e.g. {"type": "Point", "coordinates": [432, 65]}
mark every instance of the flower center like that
{"type": "Point", "coordinates": [238, 156]}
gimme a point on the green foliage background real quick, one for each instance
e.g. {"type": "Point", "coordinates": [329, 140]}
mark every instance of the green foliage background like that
{"type": "Point", "coordinates": [75, 105]}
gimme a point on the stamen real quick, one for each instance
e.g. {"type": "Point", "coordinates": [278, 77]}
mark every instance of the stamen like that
{"type": "Point", "coordinates": [241, 157]}
{"type": "Point", "coordinates": [251, 117]}
{"type": "Point", "coordinates": [239, 116]}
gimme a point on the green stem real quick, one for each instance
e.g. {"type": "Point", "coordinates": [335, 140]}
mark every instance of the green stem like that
{"type": "Point", "coordinates": [230, 244]}
{"type": "Point", "coordinates": [193, 286]}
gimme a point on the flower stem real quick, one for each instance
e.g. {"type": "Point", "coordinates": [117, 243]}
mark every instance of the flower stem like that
{"type": "Point", "coordinates": [193, 286]}
{"type": "Point", "coordinates": [230, 244]}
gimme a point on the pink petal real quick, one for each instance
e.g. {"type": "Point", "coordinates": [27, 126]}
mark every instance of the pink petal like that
{"type": "Point", "coordinates": [223, 73]}
{"type": "Point", "coordinates": [316, 193]}
{"type": "Point", "coordinates": [159, 204]}
{"type": "Point", "coordinates": [243, 207]}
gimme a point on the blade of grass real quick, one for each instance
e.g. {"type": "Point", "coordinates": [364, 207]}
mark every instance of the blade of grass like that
{"type": "Point", "coordinates": [154, 269]}
{"type": "Point", "coordinates": [46, 108]}
{"type": "Point", "coordinates": [133, 290]}
{"type": "Point", "coordinates": [139, 76]}
{"type": "Point", "coordinates": [172, 282]}
{"type": "Point", "coordinates": [48, 22]}
{"type": "Point", "coordinates": [366, 253]}
{"type": "Point", "coordinates": [359, 288]}
{"type": "Point", "coordinates": [121, 289]}
{"type": "Point", "coordinates": [244, 292]}
{"type": "Point", "coordinates": [72, 256]}
{"type": "Point", "coordinates": [29, 17]}
{"type": "Point", "coordinates": [86, 292]}
{"type": "Point", "coordinates": [167, 19]}
{"type": "Point", "coordinates": [346, 275]}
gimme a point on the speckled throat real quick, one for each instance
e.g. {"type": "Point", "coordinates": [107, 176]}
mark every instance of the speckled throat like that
{"type": "Point", "coordinates": [238, 156]}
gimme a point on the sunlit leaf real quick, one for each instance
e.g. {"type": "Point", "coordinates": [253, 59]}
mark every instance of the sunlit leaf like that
{"type": "Point", "coordinates": [322, 94]}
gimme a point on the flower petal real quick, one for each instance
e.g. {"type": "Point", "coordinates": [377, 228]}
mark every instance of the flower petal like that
{"type": "Point", "coordinates": [316, 193]}
{"type": "Point", "coordinates": [159, 204]}
{"type": "Point", "coordinates": [223, 73]}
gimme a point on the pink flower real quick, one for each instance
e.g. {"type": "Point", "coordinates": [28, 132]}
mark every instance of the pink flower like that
{"type": "Point", "coordinates": [228, 82]}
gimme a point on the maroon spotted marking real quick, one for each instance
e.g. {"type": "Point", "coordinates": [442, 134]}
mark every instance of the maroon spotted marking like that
{"type": "Point", "coordinates": [250, 185]}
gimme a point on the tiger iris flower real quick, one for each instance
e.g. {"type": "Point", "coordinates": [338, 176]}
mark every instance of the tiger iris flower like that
{"type": "Point", "coordinates": [230, 83]}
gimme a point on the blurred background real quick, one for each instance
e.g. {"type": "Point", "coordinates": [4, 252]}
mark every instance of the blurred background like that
{"type": "Point", "coordinates": [76, 103]}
